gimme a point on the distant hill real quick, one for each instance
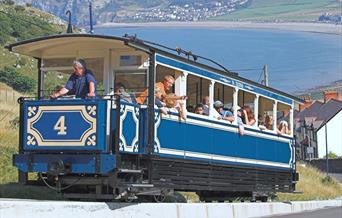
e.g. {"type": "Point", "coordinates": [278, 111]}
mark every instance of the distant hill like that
{"type": "Point", "coordinates": [189, 10]}
{"type": "Point", "coordinates": [285, 10]}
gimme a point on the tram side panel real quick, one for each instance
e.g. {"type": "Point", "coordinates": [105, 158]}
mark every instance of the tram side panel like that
{"type": "Point", "coordinates": [227, 160]}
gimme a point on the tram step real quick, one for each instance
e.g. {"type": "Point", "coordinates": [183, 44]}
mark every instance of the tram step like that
{"type": "Point", "coordinates": [129, 171]}
{"type": "Point", "coordinates": [140, 185]}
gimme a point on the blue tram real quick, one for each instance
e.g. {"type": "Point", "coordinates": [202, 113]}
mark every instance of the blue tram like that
{"type": "Point", "coordinates": [111, 148]}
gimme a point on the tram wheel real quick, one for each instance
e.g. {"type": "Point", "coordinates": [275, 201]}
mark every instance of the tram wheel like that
{"type": "Point", "coordinates": [159, 198]}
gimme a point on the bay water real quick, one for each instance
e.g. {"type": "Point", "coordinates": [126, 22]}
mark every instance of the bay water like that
{"type": "Point", "coordinates": [296, 60]}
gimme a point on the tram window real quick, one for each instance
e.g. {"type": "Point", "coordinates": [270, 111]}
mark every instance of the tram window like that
{"type": "Point", "coordinates": [246, 100]}
{"type": "Point", "coordinates": [283, 118]}
{"type": "Point", "coordinates": [134, 81]}
{"type": "Point", "coordinates": [224, 94]}
{"type": "Point", "coordinates": [265, 113]}
{"type": "Point", "coordinates": [197, 89]}
{"type": "Point", "coordinates": [130, 60]}
{"type": "Point", "coordinates": [58, 62]}
{"type": "Point", "coordinates": [96, 66]}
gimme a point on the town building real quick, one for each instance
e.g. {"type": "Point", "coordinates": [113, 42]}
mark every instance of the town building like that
{"type": "Point", "coordinates": [313, 121]}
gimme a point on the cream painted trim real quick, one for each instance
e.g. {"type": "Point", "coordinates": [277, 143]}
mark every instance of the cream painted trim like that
{"type": "Point", "coordinates": [48, 109]}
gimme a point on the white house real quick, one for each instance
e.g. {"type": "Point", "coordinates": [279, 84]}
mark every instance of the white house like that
{"type": "Point", "coordinates": [333, 126]}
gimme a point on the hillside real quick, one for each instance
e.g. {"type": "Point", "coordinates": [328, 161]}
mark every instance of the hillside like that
{"type": "Point", "coordinates": [118, 11]}
{"type": "Point", "coordinates": [20, 23]}
{"type": "Point", "coordinates": [285, 10]}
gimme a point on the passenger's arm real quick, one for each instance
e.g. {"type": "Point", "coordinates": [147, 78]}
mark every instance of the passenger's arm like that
{"type": "Point", "coordinates": [229, 118]}
{"type": "Point", "coordinates": [91, 89]}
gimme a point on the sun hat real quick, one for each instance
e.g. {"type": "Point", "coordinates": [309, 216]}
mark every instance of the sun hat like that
{"type": "Point", "coordinates": [218, 104]}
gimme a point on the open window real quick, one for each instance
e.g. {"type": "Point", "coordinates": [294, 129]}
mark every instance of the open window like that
{"type": "Point", "coordinates": [56, 72]}
{"type": "Point", "coordinates": [197, 90]}
{"type": "Point", "coordinates": [283, 118]}
{"type": "Point", "coordinates": [130, 75]}
{"type": "Point", "coordinates": [265, 113]}
{"type": "Point", "coordinates": [225, 94]}
{"type": "Point", "coordinates": [246, 101]}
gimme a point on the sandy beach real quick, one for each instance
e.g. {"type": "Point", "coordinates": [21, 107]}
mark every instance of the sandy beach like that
{"type": "Point", "coordinates": [286, 26]}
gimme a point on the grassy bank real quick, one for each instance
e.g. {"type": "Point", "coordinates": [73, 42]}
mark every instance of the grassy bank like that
{"type": "Point", "coordinates": [313, 185]}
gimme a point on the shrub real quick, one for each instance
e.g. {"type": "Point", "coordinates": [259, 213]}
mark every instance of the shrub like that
{"type": "Point", "coordinates": [16, 80]}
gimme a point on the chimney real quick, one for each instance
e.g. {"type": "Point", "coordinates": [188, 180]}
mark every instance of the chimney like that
{"type": "Point", "coordinates": [331, 95]}
{"type": "Point", "coordinates": [307, 102]}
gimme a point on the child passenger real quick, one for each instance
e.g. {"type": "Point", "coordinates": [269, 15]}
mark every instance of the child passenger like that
{"type": "Point", "coordinates": [199, 109]}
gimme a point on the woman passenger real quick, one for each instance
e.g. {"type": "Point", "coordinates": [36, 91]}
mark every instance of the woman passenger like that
{"type": "Point", "coordinates": [248, 116]}
{"type": "Point", "coordinates": [283, 128]}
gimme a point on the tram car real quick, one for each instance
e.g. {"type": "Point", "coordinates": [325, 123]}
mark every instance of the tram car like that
{"type": "Point", "coordinates": [112, 149]}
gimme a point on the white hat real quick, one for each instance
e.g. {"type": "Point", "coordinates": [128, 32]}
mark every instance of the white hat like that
{"type": "Point", "coordinates": [218, 104]}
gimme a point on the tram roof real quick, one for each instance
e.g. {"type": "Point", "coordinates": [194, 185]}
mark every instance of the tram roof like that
{"type": "Point", "coordinates": [35, 47]}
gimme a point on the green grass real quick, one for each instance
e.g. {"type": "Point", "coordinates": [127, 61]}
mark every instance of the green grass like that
{"type": "Point", "coordinates": [284, 10]}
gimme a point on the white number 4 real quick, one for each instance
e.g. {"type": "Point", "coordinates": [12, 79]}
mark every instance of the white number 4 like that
{"type": "Point", "coordinates": [60, 126]}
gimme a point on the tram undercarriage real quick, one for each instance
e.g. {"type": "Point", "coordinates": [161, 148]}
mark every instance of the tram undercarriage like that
{"type": "Point", "coordinates": [152, 179]}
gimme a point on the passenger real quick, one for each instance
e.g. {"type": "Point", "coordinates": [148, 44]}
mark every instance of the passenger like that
{"type": "Point", "coordinates": [165, 88]}
{"type": "Point", "coordinates": [121, 90]}
{"type": "Point", "coordinates": [199, 109]}
{"type": "Point", "coordinates": [224, 114]}
{"type": "Point", "coordinates": [248, 116]}
{"type": "Point", "coordinates": [241, 128]}
{"type": "Point", "coordinates": [205, 103]}
{"type": "Point", "coordinates": [81, 83]}
{"type": "Point", "coordinates": [283, 127]}
{"type": "Point", "coordinates": [190, 108]}
{"type": "Point", "coordinates": [268, 122]}
{"type": "Point", "coordinates": [161, 105]}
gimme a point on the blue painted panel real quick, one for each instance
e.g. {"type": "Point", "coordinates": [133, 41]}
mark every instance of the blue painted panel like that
{"type": "Point", "coordinates": [224, 79]}
{"type": "Point", "coordinates": [84, 122]}
{"type": "Point", "coordinates": [129, 128]}
{"type": "Point", "coordinates": [80, 163]}
{"type": "Point", "coordinates": [74, 122]}
{"type": "Point", "coordinates": [204, 140]}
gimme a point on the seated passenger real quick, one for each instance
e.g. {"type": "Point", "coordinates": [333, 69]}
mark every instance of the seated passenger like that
{"type": "Point", "coordinates": [199, 109]}
{"type": "Point", "coordinates": [81, 83]}
{"type": "Point", "coordinates": [239, 122]}
{"type": "Point", "coordinates": [121, 91]}
{"type": "Point", "coordinates": [205, 103]}
{"type": "Point", "coordinates": [267, 124]}
{"type": "Point", "coordinates": [164, 96]}
{"type": "Point", "coordinates": [190, 108]}
{"type": "Point", "coordinates": [248, 116]}
{"type": "Point", "coordinates": [224, 114]}
{"type": "Point", "coordinates": [283, 128]}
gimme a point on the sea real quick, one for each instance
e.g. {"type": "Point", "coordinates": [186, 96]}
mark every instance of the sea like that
{"type": "Point", "coordinates": [296, 61]}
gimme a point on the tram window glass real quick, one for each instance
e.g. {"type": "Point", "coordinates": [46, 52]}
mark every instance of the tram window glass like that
{"type": "Point", "coordinates": [224, 94]}
{"type": "Point", "coordinates": [247, 99]}
{"type": "Point", "coordinates": [96, 66]}
{"type": "Point", "coordinates": [58, 62]}
{"type": "Point", "coordinates": [265, 113]}
{"type": "Point", "coordinates": [133, 80]}
{"type": "Point", "coordinates": [197, 89]}
{"type": "Point", "coordinates": [283, 118]}
{"type": "Point", "coordinates": [130, 60]}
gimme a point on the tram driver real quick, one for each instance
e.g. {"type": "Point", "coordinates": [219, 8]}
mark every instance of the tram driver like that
{"type": "Point", "coordinates": [81, 83]}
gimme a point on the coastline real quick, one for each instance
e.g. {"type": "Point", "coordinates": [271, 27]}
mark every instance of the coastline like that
{"type": "Point", "coordinates": [286, 26]}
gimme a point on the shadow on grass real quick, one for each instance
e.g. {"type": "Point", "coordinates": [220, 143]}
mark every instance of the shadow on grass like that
{"type": "Point", "coordinates": [15, 190]}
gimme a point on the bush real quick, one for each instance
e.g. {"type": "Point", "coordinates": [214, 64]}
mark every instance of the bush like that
{"type": "Point", "coordinates": [16, 80]}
